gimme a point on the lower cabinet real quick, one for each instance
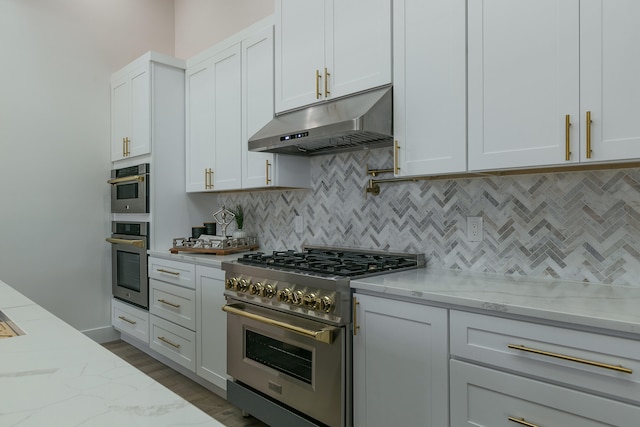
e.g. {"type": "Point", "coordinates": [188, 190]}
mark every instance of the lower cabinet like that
{"type": "Point", "coordinates": [130, 320]}
{"type": "Point", "coordinates": [173, 341]}
{"type": "Point", "coordinates": [400, 364]}
{"type": "Point", "coordinates": [211, 332]}
{"type": "Point", "coordinates": [484, 397]}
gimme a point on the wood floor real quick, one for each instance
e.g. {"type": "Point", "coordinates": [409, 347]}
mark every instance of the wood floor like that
{"type": "Point", "coordinates": [193, 392]}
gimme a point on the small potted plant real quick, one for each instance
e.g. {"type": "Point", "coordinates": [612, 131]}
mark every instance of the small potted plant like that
{"type": "Point", "coordinates": [239, 218]}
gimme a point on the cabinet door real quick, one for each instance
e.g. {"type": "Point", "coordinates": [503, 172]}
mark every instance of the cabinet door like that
{"type": "Point", "coordinates": [610, 88]}
{"type": "Point", "coordinates": [523, 82]}
{"type": "Point", "coordinates": [300, 40]}
{"type": "Point", "coordinates": [358, 46]}
{"type": "Point", "coordinates": [211, 326]}
{"type": "Point", "coordinates": [257, 106]}
{"type": "Point", "coordinates": [227, 174]}
{"type": "Point", "coordinates": [120, 117]}
{"type": "Point", "coordinates": [199, 125]}
{"type": "Point", "coordinates": [430, 86]}
{"type": "Point", "coordinates": [400, 362]}
{"type": "Point", "coordinates": [140, 133]}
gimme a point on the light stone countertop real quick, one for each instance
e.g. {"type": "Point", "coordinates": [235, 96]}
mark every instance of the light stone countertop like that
{"type": "Point", "coordinates": [56, 376]}
{"type": "Point", "coordinates": [611, 307]}
{"type": "Point", "coordinates": [200, 259]}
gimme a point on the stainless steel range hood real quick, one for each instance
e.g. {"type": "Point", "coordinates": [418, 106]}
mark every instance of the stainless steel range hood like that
{"type": "Point", "coordinates": [363, 120]}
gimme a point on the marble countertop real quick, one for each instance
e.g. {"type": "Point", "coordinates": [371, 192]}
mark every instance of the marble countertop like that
{"type": "Point", "coordinates": [196, 258]}
{"type": "Point", "coordinates": [610, 307]}
{"type": "Point", "coordinates": [56, 376]}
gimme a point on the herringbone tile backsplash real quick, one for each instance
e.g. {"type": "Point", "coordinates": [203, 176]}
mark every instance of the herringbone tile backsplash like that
{"type": "Point", "coordinates": [576, 225]}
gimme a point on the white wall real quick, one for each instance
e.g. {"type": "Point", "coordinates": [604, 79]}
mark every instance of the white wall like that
{"type": "Point", "coordinates": [203, 23]}
{"type": "Point", "coordinates": [57, 58]}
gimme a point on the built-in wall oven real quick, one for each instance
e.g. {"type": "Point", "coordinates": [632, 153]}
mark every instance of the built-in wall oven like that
{"type": "Point", "coordinates": [129, 243]}
{"type": "Point", "coordinates": [289, 331]}
{"type": "Point", "coordinates": [130, 189]}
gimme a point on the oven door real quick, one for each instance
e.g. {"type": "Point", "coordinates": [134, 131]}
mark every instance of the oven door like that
{"type": "Point", "coordinates": [129, 269]}
{"type": "Point", "coordinates": [295, 361]}
{"type": "Point", "coordinates": [130, 194]}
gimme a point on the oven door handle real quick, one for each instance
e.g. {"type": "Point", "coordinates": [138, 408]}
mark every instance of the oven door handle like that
{"type": "Point", "coordinates": [132, 178]}
{"type": "Point", "coordinates": [136, 243]}
{"type": "Point", "coordinates": [324, 335]}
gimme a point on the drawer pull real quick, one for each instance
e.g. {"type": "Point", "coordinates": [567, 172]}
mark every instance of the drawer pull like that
{"type": "Point", "coordinates": [521, 421]}
{"type": "Point", "coordinates": [175, 273]}
{"type": "Point", "coordinates": [169, 303]}
{"type": "Point", "coordinates": [163, 339]}
{"type": "Point", "coordinates": [571, 358]}
{"type": "Point", "coordinates": [127, 320]}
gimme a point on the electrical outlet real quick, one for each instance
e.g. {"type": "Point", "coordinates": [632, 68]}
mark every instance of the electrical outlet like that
{"type": "Point", "coordinates": [298, 224]}
{"type": "Point", "coordinates": [474, 228]}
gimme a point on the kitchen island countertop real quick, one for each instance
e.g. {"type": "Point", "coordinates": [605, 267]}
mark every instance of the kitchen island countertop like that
{"type": "Point", "coordinates": [592, 305]}
{"type": "Point", "coordinates": [56, 376]}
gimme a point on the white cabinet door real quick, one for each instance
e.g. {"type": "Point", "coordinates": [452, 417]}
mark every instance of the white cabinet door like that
{"type": "Point", "coordinates": [199, 126]}
{"type": "Point", "coordinates": [131, 114]}
{"type": "Point", "coordinates": [227, 174]}
{"type": "Point", "coordinates": [358, 46]}
{"type": "Point", "coordinates": [523, 67]}
{"type": "Point", "coordinates": [610, 88]}
{"type": "Point", "coordinates": [211, 326]}
{"type": "Point", "coordinates": [429, 80]}
{"type": "Point", "coordinates": [400, 364]}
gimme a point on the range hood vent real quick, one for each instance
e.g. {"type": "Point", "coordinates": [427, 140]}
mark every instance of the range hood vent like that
{"type": "Point", "coordinates": [363, 120]}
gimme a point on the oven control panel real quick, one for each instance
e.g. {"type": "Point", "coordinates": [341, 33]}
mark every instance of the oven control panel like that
{"type": "Point", "coordinates": [312, 299]}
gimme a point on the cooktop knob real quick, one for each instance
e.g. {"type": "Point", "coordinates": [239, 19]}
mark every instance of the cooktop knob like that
{"type": "Point", "coordinates": [243, 285]}
{"type": "Point", "coordinates": [284, 295]}
{"type": "Point", "coordinates": [231, 282]}
{"type": "Point", "coordinates": [269, 290]}
{"type": "Point", "coordinates": [256, 289]}
{"type": "Point", "coordinates": [296, 297]}
{"type": "Point", "coordinates": [326, 304]}
{"type": "Point", "coordinates": [310, 300]}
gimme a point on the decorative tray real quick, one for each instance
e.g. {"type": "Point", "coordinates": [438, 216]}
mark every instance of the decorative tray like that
{"type": "Point", "coordinates": [216, 245]}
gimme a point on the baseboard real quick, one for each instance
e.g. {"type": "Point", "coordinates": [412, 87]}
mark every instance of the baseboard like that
{"type": "Point", "coordinates": [103, 334]}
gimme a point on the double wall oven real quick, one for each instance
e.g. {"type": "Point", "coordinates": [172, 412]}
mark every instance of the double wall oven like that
{"type": "Point", "coordinates": [288, 331]}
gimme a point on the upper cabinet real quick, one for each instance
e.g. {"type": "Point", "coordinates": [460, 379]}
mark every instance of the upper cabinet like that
{"type": "Point", "coordinates": [230, 96]}
{"type": "Point", "coordinates": [552, 83]}
{"type": "Point", "coordinates": [429, 86]}
{"type": "Point", "coordinates": [135, 90]}
{"type": "Point", "coordinates": [330, 48]}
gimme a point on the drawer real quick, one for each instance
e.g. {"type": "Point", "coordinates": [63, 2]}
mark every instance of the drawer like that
{"type": "Point", "coordinates": [582, 359]}
{"type": "Point", "coordinates": [173, 341]}
{"type": "Point", "coordinates": [130, 320]}
{"type": "Point", "coordinates": [483, 397]}
{"type": "Point", "coordinates": [173, 303]}
{"type": "Point", "coordinates": [178, 273]}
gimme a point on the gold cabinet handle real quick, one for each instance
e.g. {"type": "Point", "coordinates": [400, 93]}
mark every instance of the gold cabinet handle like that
{"type": "Point", "coordinates": [588, 134]}
{"type": "Point", "coordinates": [128, 147]}
{"type": "Point", "coordinates": [356, 303]}
{"type": "Point", "coordinates": [326, 82]}
{"type": "Point", "coordinates": [617, 368]}
{"type": "Point", "coordinates": [163, 301]}
{"type": "Point", "coordinates": [124, 147]}
{"type": "Point", "coordinates": [127, 320]}
{"type": "Point", "coordinates": [396, 152]}
{"type": "Point", "coordinates": [522, 422]}
{"type": "Point", "coordinates": [175, 273]}
{"type": "Point", "coordinates": [136, 243]}
{"type": "Point", "coordinates": [208, 179]}
{"type": "Point", "coordinates": [174, 345]}
{"type": "Point", "coordinates": [567, 137]}
{"type": "Point", "coordinates": [318, 77]}
{"type": "Point", "coordinates": [268, 180]}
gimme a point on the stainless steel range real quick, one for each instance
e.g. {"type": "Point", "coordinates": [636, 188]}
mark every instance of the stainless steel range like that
{"type": "Point", "coordinates": [288, 331]}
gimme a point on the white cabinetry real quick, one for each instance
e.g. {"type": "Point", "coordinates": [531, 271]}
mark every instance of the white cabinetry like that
{"type": "Point", "coordinates": [229, 98]}
{"type": "Point", "coordinates": [538, 69]}
{"type": "Point", "coordinates": [139, 93]}
{"type": "Point", "coordinates": [429, 86]}
{"type": "Point", "coordinates": [328, 48]}
{"type": "Point", "coordinates": [130, 320]}
{"type": "Point", "coordinates": [400, 363]}
{"type": "Point", "coordinates": [211, 335]}
{"type": "Point", "coordinates": [604, 368]}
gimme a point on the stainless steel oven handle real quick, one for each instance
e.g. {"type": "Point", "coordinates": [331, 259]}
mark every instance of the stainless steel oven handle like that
{"type": "Point", "coordinates": [132, 178]}
{"type": "Point", "coordinates": [324, 335]}
{"type": "Point", "coordinates": [137, 243]}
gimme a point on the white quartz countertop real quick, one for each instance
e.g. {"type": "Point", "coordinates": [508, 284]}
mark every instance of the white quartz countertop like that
{"type": "Point", "coordinates": [196, 258]}
{"type": "Point", "coordinates": [611, 307]}
{"type": "Point", "coordinates": [56, 376]}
